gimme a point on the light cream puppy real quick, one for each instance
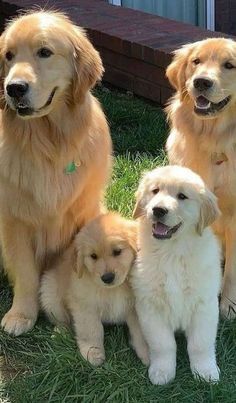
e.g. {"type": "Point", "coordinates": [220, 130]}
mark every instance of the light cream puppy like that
{"type": "Point", "coordinates": [98, 288]}
{"type": "Point", "coordinates": [178, 274]}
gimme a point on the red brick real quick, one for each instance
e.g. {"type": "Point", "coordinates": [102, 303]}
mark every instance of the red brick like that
{"type": "Point", "coordinates": [166, 94]}
{"type": "Point", "coordinates": [147, 89]}
{"type": "Point", "coordinates": [119, 78]}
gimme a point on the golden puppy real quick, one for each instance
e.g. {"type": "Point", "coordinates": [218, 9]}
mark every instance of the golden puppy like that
{"type": "Point", "coordinates": [203, 135]}
{"type": "Point", "coordinates": [98, 288]}
{"type": "Point", "coordinates": [54, 152]}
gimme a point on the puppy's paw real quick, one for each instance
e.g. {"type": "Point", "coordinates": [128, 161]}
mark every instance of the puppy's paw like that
{"type": "Point", "coordinates": [161, 374]}
{"type": "Point", "coordinates": [94, 355]}
{"type": "Point", "coordinates": [207, 371]}
{"type": "Point", "coordinates": [144, 356]}
{"type": "Point", "coordinates": [17, 323]}
{"type": "Point", "coordinates": [142, 351]}
{"type": "Point", "coordinates": [228, 307]}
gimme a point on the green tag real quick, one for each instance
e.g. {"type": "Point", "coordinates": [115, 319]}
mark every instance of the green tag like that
{"type": "Point", "coordinates": [70, 168]}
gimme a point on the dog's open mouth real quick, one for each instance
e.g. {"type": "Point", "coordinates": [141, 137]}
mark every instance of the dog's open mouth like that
{"type": "Point", "coordinates": [162, 231]}
{"type": "Point", "coordinates": [25, 110]}
{"type": "Point", "coordinates": [205, 107]}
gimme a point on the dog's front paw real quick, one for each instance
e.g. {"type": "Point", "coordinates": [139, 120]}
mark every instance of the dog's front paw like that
{"type": "Point", "coordinates": [141, 350]}
{"type": "Point", "coordinates": [161, 374]}
{"type": "Point", "coordinates": [207, 371]}
{"type": "Point", "coordinates": [144, 356]}
{"type": "Point", "coordinates": [17, 323]}
{"type": "Point", "coordinates": [228, 307]}
{"type": "Point", "coordinates": [94, 355]}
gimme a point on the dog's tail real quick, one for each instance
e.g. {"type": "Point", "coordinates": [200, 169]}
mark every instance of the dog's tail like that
{"type": "Point", "coordinates": [51, 298]}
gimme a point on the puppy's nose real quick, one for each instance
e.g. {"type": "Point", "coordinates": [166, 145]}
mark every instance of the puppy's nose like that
{"type": "Point", "coordinates": [108, 278]}
{"type": "Point", "coordinates": [159, 211]}
{"type": "Point", "coordinates": [17, 89]}
{"type": "Point", "coordinates": [202, 83]}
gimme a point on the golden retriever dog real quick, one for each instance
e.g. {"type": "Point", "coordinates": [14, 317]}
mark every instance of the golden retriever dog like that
{"type": "Point", "coordinates": [203, 135]}
{"type": "Point", "coordinates": [54, 151]}
{"type": "Point", "coordinates": [91, 286]}
{"type": "Point", "coordinates": [178, 273]}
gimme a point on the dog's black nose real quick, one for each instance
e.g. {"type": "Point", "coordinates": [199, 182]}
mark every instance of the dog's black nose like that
{"type": "Point", "coordinates": [17, 89]}
{"type": "Point", "coordinates": [159, 211]}
{"type": "Point", "coordinates": [202, 83]}
{"type": "Point", "coordinates": [108, 278]}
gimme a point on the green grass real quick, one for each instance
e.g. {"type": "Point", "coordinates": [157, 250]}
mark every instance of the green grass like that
{"type": "Point", "coordinates": [45, 366]}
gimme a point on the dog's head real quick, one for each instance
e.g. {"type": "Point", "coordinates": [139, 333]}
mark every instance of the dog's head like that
{"type": "Point", "coordinates": [45, 60]}
{"type": "Point", "coordinates": [174, 200]}
{"type": "Point", "coordinates": [205, 73]}
{"type": "Point", "coordinates": [106, 248]}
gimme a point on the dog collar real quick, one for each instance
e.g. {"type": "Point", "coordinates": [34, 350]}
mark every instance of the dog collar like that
{"type": "Point", "coordinates": [72, 167]}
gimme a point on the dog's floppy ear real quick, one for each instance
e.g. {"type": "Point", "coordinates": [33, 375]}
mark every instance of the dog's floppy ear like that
{"type": "Point", "coordinates": [88, 68]}
{"type": "Point", "coordinates": [2, 97]}
{"type": "Point", "coordinates": [138, 209]}
{"type": "Point", "coordinates": [209, 211]}
{"type": "Point", "coordinates": [176, 70]}
{"type": "Point", "coordinates": [79, 257]}
{"type": "Point", "coordinates": [132, 236]}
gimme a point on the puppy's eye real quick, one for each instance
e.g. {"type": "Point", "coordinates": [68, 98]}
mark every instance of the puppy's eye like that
{"type": "Point", "coordinates": [196, 61]}
{"type": "Point", "coordinates": [116, 252]}
{"type": "Point", "coordinates": [9, 55]}
{"type": "Point", "coordinates": [44, 53]}
{"type": "Point", "coordinates": [181, 196]}
{"type": "Point", "coordinates": [155, 191]}
{"type": "Point", "coordinates": [94, 256]}
{"type": "Point", "coordinates": [228, 66]}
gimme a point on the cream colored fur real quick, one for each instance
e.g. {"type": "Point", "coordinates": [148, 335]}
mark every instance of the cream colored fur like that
{"type": "Point", "coordinates": [41, 206]}
{"type": "Point", "coordinates": [74, 289]}
{"type": "Point", "coordinates": [176, 281]}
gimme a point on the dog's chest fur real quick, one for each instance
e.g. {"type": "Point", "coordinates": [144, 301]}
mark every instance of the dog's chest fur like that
{"type": "Point", "coordinates": [174, 277]}
{"type": "Point", "coordinates": [208, 147]}
{"type": "Point", "coordinates": [111, 304]}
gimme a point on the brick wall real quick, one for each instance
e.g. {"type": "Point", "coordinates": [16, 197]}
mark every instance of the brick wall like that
{"type": "Point", "coordinates": [135, 46]}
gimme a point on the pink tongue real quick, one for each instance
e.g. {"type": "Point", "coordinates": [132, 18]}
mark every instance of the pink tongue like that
{"type": "Point", "coordinates": [202, 101]}
{"type": "Point", "coordinates": [160, 229]}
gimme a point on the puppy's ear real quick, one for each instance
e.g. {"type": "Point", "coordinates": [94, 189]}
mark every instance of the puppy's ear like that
{"type": "Point", "coordinates": [79, 257]}
{"type": "Point", "coordinates": [2, 97]}
{"type": "Point", "coordinates": [88, 68]}
{"type": "Point", "coordinates": [209, 211]}
{"type": "Point", "coordinates": [132, 236]}
{"type": "Point", "coordinates": [138, 209]}
{"type": "Point", "coordinates": [176, 70]}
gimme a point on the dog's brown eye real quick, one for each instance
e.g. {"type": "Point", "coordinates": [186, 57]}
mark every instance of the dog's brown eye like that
{"type": "Point", "coordinates": [182, 196]}
{"type": "Point", "coordinates": [116, 252]}
{"type": "Point", "coordinates": [44, 52]}
{"type": "Point", "coordinates": [196, 61]}
{"type": "Point", "coordinates": [9, 56]}
{"type": "Point", "coordinates": [155, 191]}
{"type": "Point", "coordinates": [94, 256]}
{"type": "Point", "coordinates": [228, 66]}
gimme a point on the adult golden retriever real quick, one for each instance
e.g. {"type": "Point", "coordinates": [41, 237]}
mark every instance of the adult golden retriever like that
{"type": "Point", "coordinates": [54, 151]}
{"type": "Point", "coordinates": [203, 135]}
